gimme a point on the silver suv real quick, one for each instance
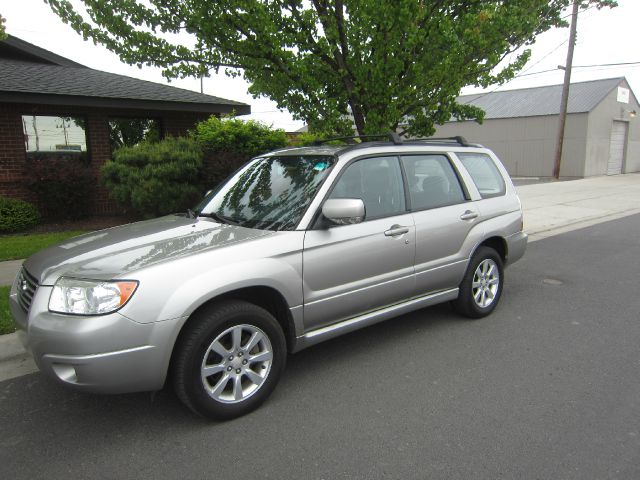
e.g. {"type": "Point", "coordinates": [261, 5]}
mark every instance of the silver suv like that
{"type": "Point", "coordinates": [299, 246]}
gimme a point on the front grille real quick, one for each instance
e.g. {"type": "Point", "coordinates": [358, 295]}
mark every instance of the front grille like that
{"type": "Point", "coordinates": [27, 286]}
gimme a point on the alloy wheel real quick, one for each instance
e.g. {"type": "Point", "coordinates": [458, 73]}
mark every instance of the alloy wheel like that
{"type": "Point", "coordinates": [486, 281]}
{"type": "Point", "coordinates": [236, 364]}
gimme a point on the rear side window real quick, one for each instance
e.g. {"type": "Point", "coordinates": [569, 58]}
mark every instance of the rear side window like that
{"type": "Point", "coordinates": [484, 173]}
{"type": "Point", "coordinates": [432, 182]}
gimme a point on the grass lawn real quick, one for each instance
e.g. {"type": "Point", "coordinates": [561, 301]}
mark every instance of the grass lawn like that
{"type": "Point", "coordinates": [6, 323]}
{"type": "Point", "coordinates": [14, 247]}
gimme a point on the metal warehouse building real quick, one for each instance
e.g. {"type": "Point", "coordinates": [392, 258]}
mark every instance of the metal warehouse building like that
{"type": "Point", "coordinates": [602, 133]}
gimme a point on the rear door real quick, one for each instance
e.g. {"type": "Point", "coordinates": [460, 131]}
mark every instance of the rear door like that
{"type": "Point", "coordinates": [352, 269]}
{"type": "Point", "coordinates": [483, 170]}
{"type": "Point", "coordinates": [443, 216]}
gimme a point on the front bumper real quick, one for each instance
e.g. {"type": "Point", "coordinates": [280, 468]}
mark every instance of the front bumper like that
{"type": "Point", "coordinates": [102, 354]}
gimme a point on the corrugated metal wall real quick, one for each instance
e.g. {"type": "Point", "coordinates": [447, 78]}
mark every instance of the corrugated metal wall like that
{"type": "Point", "coordinates": [526, 145]}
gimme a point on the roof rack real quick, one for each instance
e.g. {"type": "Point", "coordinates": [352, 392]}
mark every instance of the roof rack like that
{"type": "Point", "coordinates": [391, 136]}
{"type": "Point", "coordinates": [458, 139]}
{"type": "Point", "coordinates": [395, 139]}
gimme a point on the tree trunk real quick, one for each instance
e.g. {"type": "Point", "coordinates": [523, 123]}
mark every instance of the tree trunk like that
{"type": "Point", "coordinates": [358, 117]}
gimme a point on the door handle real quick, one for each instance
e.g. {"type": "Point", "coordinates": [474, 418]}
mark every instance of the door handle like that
{"type": "Point", "coordinates": [469, 215]}
{"type": "Point", "coordinates": [396, 230]}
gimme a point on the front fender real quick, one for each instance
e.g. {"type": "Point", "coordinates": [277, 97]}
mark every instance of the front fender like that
{"type": "Point", "coordinates": [176, 289]}
{"type": "Point", "coordinates": [269, 272]}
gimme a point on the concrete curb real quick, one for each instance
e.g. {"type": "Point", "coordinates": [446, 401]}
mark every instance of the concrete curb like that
{"type": "Point", "coordinates": [15, 361]}
{"type": "Point", "coordinates": [10, 347]}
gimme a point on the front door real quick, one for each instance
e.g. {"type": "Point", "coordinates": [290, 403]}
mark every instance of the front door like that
{"type": "Point", "coordinates": [352, 269]}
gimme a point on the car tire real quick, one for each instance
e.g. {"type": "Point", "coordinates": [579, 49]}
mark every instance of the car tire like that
{"type": "Point", "coordinates": [228, 360]}
{"type": "Point", "coordinates": [481, 287]}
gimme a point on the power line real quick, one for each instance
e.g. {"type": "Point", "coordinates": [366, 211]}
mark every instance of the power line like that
{"type": "Point", "coordinates": [523, 74]}
{"type": "Point", "coordinates": [581, 11]}
{"type": "Point", "coordinates": [536, 63]}
{"type": "Point", "coordinates": [607, 64]}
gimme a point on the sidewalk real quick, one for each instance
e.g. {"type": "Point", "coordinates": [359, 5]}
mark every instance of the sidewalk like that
{"type": "Point", "coordinates": [557, 207]}
{"type": "Point", "coordinates": [8, 271]}
{"type": "Point", "coordinates": [549, 209]}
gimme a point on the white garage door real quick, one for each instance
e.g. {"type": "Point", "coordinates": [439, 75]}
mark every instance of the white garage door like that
{"type": "Point", "coordinates": [616, 148]}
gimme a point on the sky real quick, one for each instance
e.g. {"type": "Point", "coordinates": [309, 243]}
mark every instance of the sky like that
{"type": "Point", "coordinates": [604, 37]}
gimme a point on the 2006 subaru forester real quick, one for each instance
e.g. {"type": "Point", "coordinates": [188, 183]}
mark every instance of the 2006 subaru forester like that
{"type": "Point", "coordinates": [298, 246]}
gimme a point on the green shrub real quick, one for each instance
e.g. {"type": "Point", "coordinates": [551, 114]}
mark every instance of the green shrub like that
{"type": "Point", "coordinates": [249, 138]}
{"type": "Point", "coordinates": [158, 178]}
{"type": "Point", "coordinates": [64, 186]}
{"type": "Point", "coordinates": [229, 142]}
{"type": "Point", "coordinates": [17, 215]}
{"type": "Point", "coordinates": [304, 139]}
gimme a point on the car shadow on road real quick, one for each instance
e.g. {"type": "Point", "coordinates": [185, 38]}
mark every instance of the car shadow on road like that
{"type": "Point", "coordinates": [36, 400]}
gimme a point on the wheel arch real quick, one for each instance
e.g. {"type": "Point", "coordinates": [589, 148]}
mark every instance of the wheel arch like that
{"type": "Point", "coordinates": [263, 296]}
{"type": "Point", "coordinates": [497, 243]}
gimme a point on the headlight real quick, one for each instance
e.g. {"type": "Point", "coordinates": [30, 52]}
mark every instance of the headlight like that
{"type": "Point", "coordinates": [89, 297]}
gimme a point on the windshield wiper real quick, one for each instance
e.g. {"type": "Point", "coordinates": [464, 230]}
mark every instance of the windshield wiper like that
{"type": "Point", "coordinates": [219, 218]}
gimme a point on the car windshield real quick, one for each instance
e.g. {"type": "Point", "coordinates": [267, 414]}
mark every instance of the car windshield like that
{"type": "Point", "coordinates": [270, 193]}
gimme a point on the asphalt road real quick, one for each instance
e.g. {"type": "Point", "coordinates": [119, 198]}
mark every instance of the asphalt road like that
{"type": "Point", "coordinates": [546, 388]}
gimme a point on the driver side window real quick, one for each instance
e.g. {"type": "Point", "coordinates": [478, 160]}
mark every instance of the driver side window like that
{"type": "Point", "coordinates": [378, 182]}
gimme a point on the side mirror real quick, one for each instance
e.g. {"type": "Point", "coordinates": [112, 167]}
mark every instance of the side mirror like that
{"type": "Point", "coordinates": [344, 211]}
{"type": "Point", "coordinates": [208, 192]}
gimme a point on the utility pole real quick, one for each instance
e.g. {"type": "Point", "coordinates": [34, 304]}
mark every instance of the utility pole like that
{"type": "Point", "coordinates": [35, 129]}
{"type": "Point", "coordinates": [565, 89]}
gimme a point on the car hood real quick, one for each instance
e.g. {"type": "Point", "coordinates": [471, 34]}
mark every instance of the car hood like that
{"type": "Point", "coordinates": [115, 252]}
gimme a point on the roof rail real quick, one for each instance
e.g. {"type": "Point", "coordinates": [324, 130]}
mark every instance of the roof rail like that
{"type": "Point", "coordinates": [391, 136]}
{"type": "Point", "coordinates": [458, 139]}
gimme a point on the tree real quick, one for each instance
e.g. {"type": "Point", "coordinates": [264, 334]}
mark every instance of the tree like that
{"type": "Point", "coordinates": [377, 64]}
{"type": "Point", "coordinates": [3, 33]}
{"type": "Point", "coordinates": [128, 132]}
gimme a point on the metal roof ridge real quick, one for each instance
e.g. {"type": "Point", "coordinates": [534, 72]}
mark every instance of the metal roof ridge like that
{"type": "Point", "coordinates": [540, 87]}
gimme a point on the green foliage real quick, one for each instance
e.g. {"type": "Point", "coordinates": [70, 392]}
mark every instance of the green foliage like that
{"type": "Point", "coordinates": [14, 247]}
{"type": "Point", "coordinates": [3, 33]}
{"type": "Point", "coordinates": [228, 143]}
{"type": "Point", "coordinates": [127, 132]}
{"type": "Point", "coordinates": [304, 139]}
{"type": "Point", "coordinates": [155, 179]}
{"type": "Point", "coordinates": [17, 215]}
{"type": "Point", "coordinates": [385, 62]}
{"type": "Point", "coordinates": [248, 138]}
{"type": "Point", "coordinates": [6, 320]}
{"type": "Point", "coordinates": [63, 185]}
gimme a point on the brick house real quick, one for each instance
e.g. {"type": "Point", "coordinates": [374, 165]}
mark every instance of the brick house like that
{"type": "Point", "coordinates": [52, 107]}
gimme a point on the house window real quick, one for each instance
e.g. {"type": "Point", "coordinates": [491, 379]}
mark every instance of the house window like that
{"type": "Point", "coordinates": [54, 135]}
{"type": "Point", "coordinates": [127, 132]}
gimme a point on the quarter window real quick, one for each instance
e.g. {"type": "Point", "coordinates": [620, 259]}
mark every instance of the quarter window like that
{"type": "Point", "coordinates": [484, 173]}
{"type": "Point", "coordinates": [432, 182]}
{"type": "Point", "coordinates": [378, 182]}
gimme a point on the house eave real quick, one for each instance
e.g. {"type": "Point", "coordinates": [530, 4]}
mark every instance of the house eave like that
{"type": "Point", "coordinates": [122, 103]}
